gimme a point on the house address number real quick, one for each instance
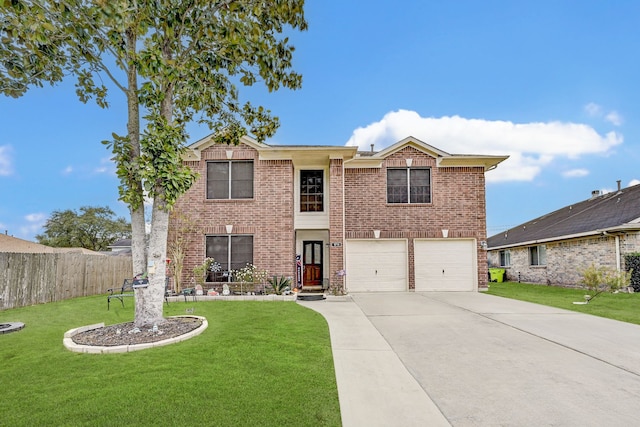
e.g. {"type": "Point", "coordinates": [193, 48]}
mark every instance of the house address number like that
{"type": "Point", "coordinates": [336, 244]}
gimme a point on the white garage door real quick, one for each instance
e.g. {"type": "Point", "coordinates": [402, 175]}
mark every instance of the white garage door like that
{"type": "Point", "coordinates": [445, 265]}
{"type": "Point", "coordinates": [376, 265]}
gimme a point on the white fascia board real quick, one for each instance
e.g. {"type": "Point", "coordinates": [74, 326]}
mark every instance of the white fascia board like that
{"type": "Point", "coordinates": [306, 154]}
{"type": "Point", "coordinates": [487, 162]}
{"type": "Point", "coordinates": [363, 162]}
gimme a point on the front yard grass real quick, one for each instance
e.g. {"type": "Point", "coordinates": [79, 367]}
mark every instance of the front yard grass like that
{"type": "Point", "coordinates": [621, 306]}
{"type": "Point", "coordinates": [258, 363]}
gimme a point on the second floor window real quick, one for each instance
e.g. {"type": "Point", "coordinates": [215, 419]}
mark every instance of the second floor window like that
{"type": "Point", "coordinates": [311, 191]}
{"type": "Point", "coordinates": [409, 185]}
{"type": "Point", "coordinates": [230, 180]}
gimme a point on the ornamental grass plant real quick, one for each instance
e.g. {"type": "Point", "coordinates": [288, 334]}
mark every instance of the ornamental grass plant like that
{"type": "Point", "coordinates": [258, 363]}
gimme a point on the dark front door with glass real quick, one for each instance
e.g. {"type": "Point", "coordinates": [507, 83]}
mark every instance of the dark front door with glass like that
{"type": "Point", "coordinates": [312, 262]}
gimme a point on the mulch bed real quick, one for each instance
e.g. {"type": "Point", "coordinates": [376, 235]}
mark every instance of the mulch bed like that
{"type": "Point", "coordinates": [124, 334]}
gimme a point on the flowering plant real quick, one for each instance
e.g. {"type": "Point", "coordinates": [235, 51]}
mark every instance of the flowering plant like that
{"type": "Point", "coordinates": [200, 271]}
{"type": "Point", "coordinates": [250, 274]}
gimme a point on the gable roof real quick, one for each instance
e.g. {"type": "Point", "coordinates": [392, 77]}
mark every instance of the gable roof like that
{"type": "Point", "coordinates": [617, 211]}
{"type": "Point", "coordinates": [443, 159]}
{"type": "Point", "coordinates": [276, 152]}
{"type": "Point", "coordinates": [352, 157]}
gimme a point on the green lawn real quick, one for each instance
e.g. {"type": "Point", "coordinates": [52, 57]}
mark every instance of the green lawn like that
{"type": "Point", "coordinates": [258, 363]}
{"type": "Point", "coordinates": [620, 306]}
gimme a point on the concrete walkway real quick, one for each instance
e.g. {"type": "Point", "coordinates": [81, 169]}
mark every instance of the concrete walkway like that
{"type": "Point", "coordinates": [471, 359]}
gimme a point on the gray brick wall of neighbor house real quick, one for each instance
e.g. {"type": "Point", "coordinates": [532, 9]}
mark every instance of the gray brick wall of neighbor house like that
{"type": "Point", "coordinates": [566, 260]}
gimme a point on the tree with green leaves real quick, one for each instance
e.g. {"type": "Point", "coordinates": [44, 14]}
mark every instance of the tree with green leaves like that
{"type": "Point", "coordinates": [94, 228]}
{"type": "Point", "coordinates": [175, 60]}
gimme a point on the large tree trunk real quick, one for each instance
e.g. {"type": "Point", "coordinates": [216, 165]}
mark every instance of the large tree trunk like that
{"type": "Point", "coordinates": [139, 255]}
{"type": "Point", "coordinates": [150, 300]}
{"type": "Point", "coordinates": [136, 204]}
{"type": "Point", "coordinates": [138, 240]}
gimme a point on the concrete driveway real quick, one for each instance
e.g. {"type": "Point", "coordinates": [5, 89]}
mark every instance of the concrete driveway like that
{"type": "Point", "coordinates": [471, 359]}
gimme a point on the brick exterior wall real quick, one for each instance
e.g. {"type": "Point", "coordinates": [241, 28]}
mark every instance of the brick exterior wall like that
{"type": "Point", "coordinates": [458, 205]}
{"type": "Point", "coordinates": [268, 216]}
{"type": "Point", "coordinates": [336, 225]}
{"type": "Point", "coordinates": [567, 259]}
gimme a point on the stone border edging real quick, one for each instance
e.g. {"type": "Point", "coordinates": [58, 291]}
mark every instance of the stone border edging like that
{"type": "Point", "coordinates": [94, 349]}
{"type": "Point", "coordinates": [13, 327]}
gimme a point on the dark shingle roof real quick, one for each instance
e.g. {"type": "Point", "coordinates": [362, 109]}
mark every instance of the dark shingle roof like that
{"type": "Point", "coordinates": [618, 209]}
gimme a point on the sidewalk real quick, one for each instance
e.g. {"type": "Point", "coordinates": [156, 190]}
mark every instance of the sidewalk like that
{"type": "Point", "coordinates": [374, 387]}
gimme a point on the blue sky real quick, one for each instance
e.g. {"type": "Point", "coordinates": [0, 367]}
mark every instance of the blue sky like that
{"type": "Point", "coordinates": [553, 84]}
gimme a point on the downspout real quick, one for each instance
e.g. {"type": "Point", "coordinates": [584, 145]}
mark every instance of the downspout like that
{"type": "Point", "coordinates": [344, 228]}
{"type": "Point", "coordinates": [617, 243]}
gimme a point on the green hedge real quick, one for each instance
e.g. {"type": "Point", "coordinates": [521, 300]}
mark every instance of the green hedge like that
{"type": "Point", "coordinates": [632, 262]}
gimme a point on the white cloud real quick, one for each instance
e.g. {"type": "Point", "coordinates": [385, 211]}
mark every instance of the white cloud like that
{"type": "Point", "coordinates": [531, 146]}
{"type": "Point", "coordinates": [36, 217]}
{"type": "Point", "coordinates": [35, 222]}
{"type": "Point", "coordinates": [593, 109]}
{"type": "Point", "coordinates": [614, 118]}
{"type": "Point", "coordinates": [106, 166]}
{"type": "Point", "coordinates": [6, 161]}
{"type": "Point", "coordinates": [67, 170]}
{"type": "Point", "coordinates": [575, 173]}
{"type": "Point", "coordinates": [633, 182]}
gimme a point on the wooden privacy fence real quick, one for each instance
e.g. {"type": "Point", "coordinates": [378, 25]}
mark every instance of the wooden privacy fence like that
{"type": "Point", "coordinates": [36, 278]}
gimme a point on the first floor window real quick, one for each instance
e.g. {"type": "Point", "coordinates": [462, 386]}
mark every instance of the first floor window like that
{"type": "Point", "coordinates": [230, 253]}
{"type": "Point", "coordinates": [505, 258]}
{"type": "Point", "coordinates": [409, 185]}
{"type": "Point", "coordinates": [538, 255]}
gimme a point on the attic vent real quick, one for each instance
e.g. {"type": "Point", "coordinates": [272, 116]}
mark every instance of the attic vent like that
{"type": "Point", "coordinates": [595, 193]}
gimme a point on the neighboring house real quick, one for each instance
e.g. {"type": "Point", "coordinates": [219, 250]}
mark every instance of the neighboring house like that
{"type": "Point", "coordinates": [410, 217]}
{"type": "Point", "coordinates": [15, 245]}
{"type": "Point", "coordinates": [557, 247]}
{"type": "Point", "coordinates": [120, 247]}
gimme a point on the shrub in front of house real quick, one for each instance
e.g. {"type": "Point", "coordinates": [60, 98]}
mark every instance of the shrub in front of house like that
{"type": "Point", "coordinates": [632, 262]}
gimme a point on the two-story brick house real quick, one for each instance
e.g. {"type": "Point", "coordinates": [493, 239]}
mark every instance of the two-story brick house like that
{"type": "Point", "coordinates": [410, 217]}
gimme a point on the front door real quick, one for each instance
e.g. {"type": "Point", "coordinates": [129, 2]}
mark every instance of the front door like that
{"type": "Point", "coordinates": [312, 263]}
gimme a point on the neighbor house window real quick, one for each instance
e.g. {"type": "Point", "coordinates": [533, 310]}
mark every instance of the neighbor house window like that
{"type": "Point", "coordinates": [230, 179]}
{"type": "Point", "coordinates": [409, 185]}
{"type": "Point", "coordinates": [538, 255]}
{"type": "Point", "coordinates": [230, 253]}
{"type": "Point", "coordinates": [505, 258]}
{"type": "Point", "coordinates": [311, 191]}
